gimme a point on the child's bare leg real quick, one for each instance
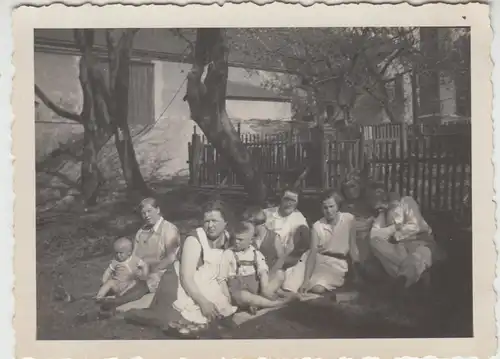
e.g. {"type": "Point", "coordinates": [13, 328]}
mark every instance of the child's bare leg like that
{"type": "Point", "coordinates": [105, 289]}
{"type": "Point", "coordinates": [139, 290]}
{"type": "Point", "coordinates": [255, 300]}
{"type": "Point", "coordinates": [270, 290]}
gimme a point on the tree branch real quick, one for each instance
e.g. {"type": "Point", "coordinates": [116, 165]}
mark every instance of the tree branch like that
{"type": "Point", "coordinates": [54, 107]}
{"type": "Point", "coordinates": [390, 59]}
{"type": "Point", "coordinates": [181, 35]}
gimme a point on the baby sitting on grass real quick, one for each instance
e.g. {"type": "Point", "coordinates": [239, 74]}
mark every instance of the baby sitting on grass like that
{"type": "Point", "coordinates": [123, 271]}
{"type": "Point", "coordinates": [244, 274]}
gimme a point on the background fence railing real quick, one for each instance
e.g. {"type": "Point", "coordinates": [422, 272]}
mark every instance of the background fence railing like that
{"type": "Point", "coordinates": [430, 163]}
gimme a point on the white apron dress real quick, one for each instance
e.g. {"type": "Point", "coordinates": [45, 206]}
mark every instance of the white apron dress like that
{"type": "Point", "coordinates": [329, 271]}
{"type": "Point", "coordinates": [205, 278]}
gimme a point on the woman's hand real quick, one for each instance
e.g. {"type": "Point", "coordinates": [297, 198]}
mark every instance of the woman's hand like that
{"type": "Point", "coordinates": [141, 275]}
{"type": "Point", "coordinates": [208, 310]}
{"type": "Point", "coordinates": [304, 288]}
{"type": "Point", "coordinates": [153, 265]}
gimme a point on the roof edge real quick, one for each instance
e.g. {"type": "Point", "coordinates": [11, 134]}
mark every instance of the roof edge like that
{"type": "Point", "coordinates": [69, 48]}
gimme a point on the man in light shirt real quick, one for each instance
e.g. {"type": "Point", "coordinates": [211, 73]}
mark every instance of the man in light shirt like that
{"type": "Point", "coordinates": [401, 238]}
{"type": "Point", "coordinates": [291, 226]}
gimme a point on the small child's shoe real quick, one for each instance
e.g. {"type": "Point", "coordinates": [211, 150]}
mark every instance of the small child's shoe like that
{"type": "Point", "coordinates": [252, 310]}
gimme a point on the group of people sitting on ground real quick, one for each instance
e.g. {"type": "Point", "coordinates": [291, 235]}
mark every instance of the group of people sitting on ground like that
{"type": "Point", "coordinates": [268, 257]}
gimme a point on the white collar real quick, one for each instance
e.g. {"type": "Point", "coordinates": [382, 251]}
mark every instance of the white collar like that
{"type": "Point", "coordinates": [276, 213]}
{"type": "Point", "coordinates": [327, 225]}
{"type": "Point", "coordinates": [155, 227]}
{"type": "Point", "coordinates": [157, 224]}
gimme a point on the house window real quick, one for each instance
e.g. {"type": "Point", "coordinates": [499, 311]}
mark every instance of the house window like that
{"type": "Point", "coordinates": [140, 95]}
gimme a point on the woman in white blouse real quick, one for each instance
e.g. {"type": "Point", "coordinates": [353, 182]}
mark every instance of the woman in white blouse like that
{"type": "Point", "coordinates": [324, 266]}
{"type": "Point", "coordinates": [290, 225]}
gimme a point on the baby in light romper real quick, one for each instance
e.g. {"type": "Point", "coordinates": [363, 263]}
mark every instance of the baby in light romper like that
{"type": "Point", "coordinates": [123, 270]}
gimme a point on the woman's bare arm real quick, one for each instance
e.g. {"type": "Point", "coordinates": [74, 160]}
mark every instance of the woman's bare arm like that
{"type": "Point", "coordinates": [379, 229]}
{"type": "Point", "coordinates": [172, 241]}
{"type": "Point", "coordinates": [107, 274]}
{"type": "Point", "coordinates": [191, 252]}
{"type": "Point", "coordinates": [280, 252]}
{"type": "Point", "coordinates": [311, 258]}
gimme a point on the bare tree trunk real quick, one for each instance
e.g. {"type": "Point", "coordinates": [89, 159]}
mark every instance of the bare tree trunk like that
{"type": "Point", "coordinates": [104, 112]}
{"type": "Point", "coordinates": [89, 169]}
{"type": "Point", "coordinates": [119, 50]}
{"type": "Point", "coordinates": [207, 103]}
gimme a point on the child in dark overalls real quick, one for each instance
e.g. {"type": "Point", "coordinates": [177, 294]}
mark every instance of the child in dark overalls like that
{"type": "Point", "coordinates": [244, 273]}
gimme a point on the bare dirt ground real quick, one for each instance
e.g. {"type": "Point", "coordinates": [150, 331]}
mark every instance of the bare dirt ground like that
{"type": "Point", "coordinates": [73, 248]}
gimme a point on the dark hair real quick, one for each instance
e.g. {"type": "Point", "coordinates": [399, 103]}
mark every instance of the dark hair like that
{"type": "Point", "coordinates": [380, 187]}
{"type": "Point", "coordinates": [242, 227]}
{"type": "Point", "coordinates": [393, 196]}
{"type": "Point", "coordinates": [290, 189]}
{"type": "Point", "coordinates": [255, 215]}
{"type": "Point", "coordinates": [216, 205]}
{"type": "Point", "coordinates": [337, 197]}
{"type": "Point", "coordinates": [376, 185]}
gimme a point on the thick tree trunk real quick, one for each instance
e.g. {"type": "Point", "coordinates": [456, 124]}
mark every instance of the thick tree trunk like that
{"type": "Point", "coordinates": [207, 103]}
{"type": "Point", "coordinates": [119, 49]}
{"type": "Point", "coordinates": [97, 126]}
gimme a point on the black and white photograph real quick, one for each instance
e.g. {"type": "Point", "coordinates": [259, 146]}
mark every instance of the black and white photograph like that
{"type": "Point", "coordinates": [253, 183]}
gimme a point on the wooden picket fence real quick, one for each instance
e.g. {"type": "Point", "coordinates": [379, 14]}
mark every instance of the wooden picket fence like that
{"type": "Point", "coordinates": [435, 170]}
{"type": "Point", "coordinates": [432, 164]}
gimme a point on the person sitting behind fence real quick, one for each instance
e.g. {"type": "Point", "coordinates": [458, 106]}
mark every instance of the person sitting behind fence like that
{"type": "Point", "coordinates": [123, 271]}
{"type": "Point", "coordinates": [244, 274]}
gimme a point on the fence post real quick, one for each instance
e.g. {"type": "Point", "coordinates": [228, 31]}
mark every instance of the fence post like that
{"type": "Point", "coordinates": [195, 158]}
{"type": "Point", "coordinates": [361, 149]}
{"type": "Point", "coordinates": [404, 140]}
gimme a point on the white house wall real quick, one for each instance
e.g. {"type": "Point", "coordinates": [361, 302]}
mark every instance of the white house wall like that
{"type": "Point", "coordinates": [172, 113]}
{"type": "Point", "coordinates": [262, 110]}
{"type": "Point", "coordinates": [57, 76]}
{"type": "Point", "coordinates": [162, 152]}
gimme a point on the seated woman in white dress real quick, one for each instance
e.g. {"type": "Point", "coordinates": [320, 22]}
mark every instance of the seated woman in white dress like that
{"type": "Point", "coordinates": [324, 266]}
{"type": "Point", "coordinates": [290, 225]}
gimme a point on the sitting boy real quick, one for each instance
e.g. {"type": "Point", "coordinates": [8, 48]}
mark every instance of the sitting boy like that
{"type": "Point", "coordinates": [244, 274]}
{"type": "Point", "coordinates": [122, 272]}
{"type": "Point", "coordinates": [268, 242]}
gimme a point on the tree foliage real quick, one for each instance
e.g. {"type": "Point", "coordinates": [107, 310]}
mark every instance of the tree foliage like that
{"type": "Point", "coordinates": [338, 65]}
